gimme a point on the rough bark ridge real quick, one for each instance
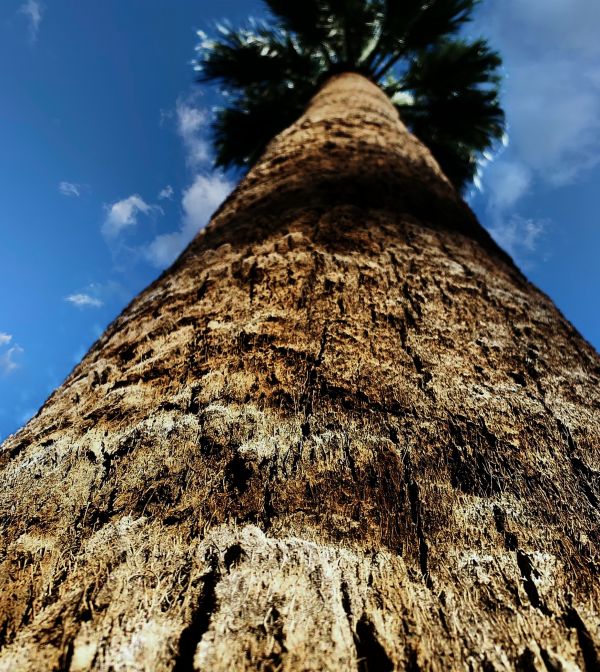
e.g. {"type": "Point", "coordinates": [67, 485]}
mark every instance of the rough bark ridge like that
{"type": "Point", "coordinates": [342, 432]}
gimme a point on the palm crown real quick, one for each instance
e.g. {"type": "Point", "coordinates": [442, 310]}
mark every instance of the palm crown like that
{"type": "Point", "coordinates": [445, 87]}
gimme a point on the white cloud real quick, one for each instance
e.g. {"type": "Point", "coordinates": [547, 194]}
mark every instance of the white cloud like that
{"type": "Point", "coordinates": [204, 195]}
{"type": "Point", "coordinates": [123, 214]}
{"type": "Point", "coordinates": [84, 301]}
{"type": "Point", "coordinates": [518, 236]}
{"type": "Point", "coordinates": [69, 189]}
{"type": "Point", "coordinates": [551, 95]}
{"type": "Point", "coordinates": [551, 51]}
{"type": "Point", "coordinates": [506, 182]}
{"type": "Point", "coordinates": [203, 198]}
{"type": "Point", "coordinates": [565, 24]}
{"type": "Point", "coordinates": [199, 202]}
{"type": "Point", "coordinates": [554, 114]}
{"type": "Point", "coordinates": [192, 122]}
{"type": "Point", "coordinates": [5, 338]}
{"type": "Point", "coordinates": [7, 360]}
{"type": "Point", "coordinates": [33, 10]}
{"type": "Point", "coordinates": [97, 294]}
{"type": "Point", "coordinates": [166, 193]}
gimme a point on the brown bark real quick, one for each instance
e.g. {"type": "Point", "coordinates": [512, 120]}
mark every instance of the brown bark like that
{"type": "Point", "coordinates": [342, 432]}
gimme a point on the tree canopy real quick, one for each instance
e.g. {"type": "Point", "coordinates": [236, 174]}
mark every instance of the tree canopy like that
{"type": "Point", "coordinates": [444, 85]}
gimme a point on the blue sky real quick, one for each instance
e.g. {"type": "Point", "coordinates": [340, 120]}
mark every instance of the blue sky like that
{"type": "Point", "coordinates": [105, 169]}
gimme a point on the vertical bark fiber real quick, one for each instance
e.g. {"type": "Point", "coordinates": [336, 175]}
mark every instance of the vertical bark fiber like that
{"type": "Point", "coordinates": [342, 432]}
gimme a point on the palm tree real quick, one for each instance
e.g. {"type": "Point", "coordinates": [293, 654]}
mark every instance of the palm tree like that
{"type": "Point", "coordinates": [342, 431]}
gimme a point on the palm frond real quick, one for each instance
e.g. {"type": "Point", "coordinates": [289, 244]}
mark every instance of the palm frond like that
{"type": "Point", "coordinates": [243, 130]}
{"type": "Point", "coordinates": [438, 19]}
{"type": "Point", "coordinates": [246, 58]}
{"type": "Point", "coordinates": [307, 19]}
{"type": "Point", "coordinates": [453, 65]}
{"type": "Point", "coordinates": [409, 25]}
{"type": "Point", "coordinates": [445, 89]}
{"type": "Point", "coordinates": [356, 22]}
{"type": "Point", "coordinates": [454, 107]}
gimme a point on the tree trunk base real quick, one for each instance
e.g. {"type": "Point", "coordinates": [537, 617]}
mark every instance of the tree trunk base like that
{"type": "Point", "coordinates": [247, 601]}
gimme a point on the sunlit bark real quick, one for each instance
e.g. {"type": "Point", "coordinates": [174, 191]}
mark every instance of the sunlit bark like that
{"type": "Point", "coordinates": [342, 432]}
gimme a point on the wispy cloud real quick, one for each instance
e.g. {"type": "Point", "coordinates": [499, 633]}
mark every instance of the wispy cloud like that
{"type": "Point", "coordinates": [519, 236]}
{"type": "Point", "coordinates": [69, 189]}
{"type": "Point", "coordinates": [123, 214]}
{"type": "Point", "coordinates": [199, 202]}
{"type": "Point", "coordinates": [192, 123]}
{"type": "Point", "coordinates": [551, 95]}
{"type": "Point", "coordinates": [568, 25]}
{"type": "Point", "coordinates": [551, 53]}
{"type": "Point", "coordinates": [33, 11]}
{"type": "Point", "coordinates": [507, 182]}
{"type": "Point", "coordinates": [166, 193]}
{"type": "Point", "coordinates": [84, 301]}
{"type": "Point", "coordinates": [207, 191]}
{"type": "Point", "coordinates": [554, 110]}
{"type": "Point", "coordinates": [96, 295]}
{"type": "Point", "coordinates": [8, 362]}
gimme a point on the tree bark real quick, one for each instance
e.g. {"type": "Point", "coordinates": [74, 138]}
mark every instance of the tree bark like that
{"type": "Point", "coordinates": [342, 432]}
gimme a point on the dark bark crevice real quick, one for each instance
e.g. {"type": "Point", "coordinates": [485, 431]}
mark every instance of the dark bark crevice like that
{"type": "Point", "coordinates": [417, 517]}
{"type": "Point", "coordinates": [201, 614]}
{"type": "Point", "coordinates": [588, 479]}
{"type": "Point", "coordinates": [478, 464]}
{"type": "Point", "coordinates": [529, 573]}
{"type": "Point", "coordinates": [590, 646]}
{"type": "Point", "coordinates": [372, 656]}
{"type": "Point", "coordinates": [527, 661]}
{"type": "Point", "coordinates": [308, 396]}
{"type": "Point", "coordinates": [66, 657]}
{"type": "Point", "coordinates": [511, 541]}
{"type": "Point", "coordinates": [346, 603]}
{"type": "Point", "coordinates": [412, 659]}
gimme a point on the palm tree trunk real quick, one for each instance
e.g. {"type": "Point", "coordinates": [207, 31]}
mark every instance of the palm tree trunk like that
{"type": "Point", "coordinates": [342, 432]}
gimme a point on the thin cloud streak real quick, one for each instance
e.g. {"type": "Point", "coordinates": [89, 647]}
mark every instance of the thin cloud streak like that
{"type": "Point", "coordinates": [203, 196]}
{"type": "Point", "coordinates": [84, 301]}
{"type": "Point", "coordinates": [69, 189]}
{"type": "Point", "coordinates": [191, 124]}
{"type": "Point", "coordinates": [34, 11]}
{"type": "Point", "coordinates": [166, 193]}
{"type": "Point", "coordinates": [519, 236]}
{"type": "Point", "coordinates": [506, 184]}
{"type": "Point", "coordinates": [7, 360]}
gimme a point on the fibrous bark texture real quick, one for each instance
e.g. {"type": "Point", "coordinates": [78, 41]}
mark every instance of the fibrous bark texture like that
{"type": "Point", "coordinates": [342, 432]}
